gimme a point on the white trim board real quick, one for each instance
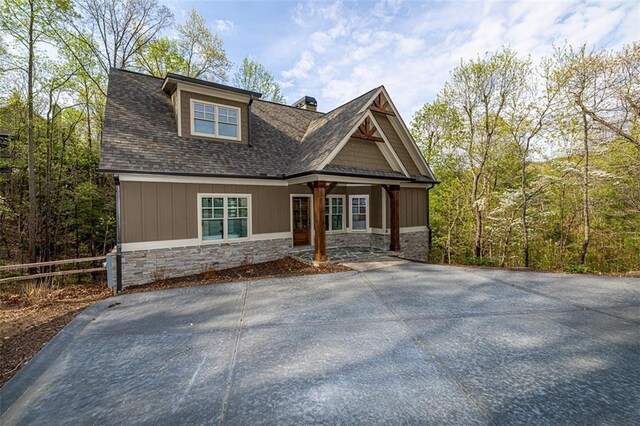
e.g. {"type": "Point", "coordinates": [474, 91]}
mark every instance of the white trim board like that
{"type": "Point", "coordinates": [194, 242]}
{"type": "Point", "coordinates": [409, 229]}
{"type": "Point", "coordinates": [210, 91]}
{"type": "Point", "coordinates": [132, 177]}
{"type": "Point", "coordinates": [389, 151]}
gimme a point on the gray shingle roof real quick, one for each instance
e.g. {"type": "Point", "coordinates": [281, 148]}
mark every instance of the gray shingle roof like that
{"type": "Point", "coordinates": [140, 136]}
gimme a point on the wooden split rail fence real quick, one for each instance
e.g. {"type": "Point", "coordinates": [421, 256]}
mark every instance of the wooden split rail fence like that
{"type": "Point", "coordinates": [53, 273]}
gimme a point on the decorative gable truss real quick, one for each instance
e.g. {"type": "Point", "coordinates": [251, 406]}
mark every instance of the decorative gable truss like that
{"type": "Point", "coordinates": [368, 130]}
{"type": "Point", "coordinates": [381, 103]}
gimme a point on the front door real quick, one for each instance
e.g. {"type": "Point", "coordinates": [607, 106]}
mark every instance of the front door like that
{"type": "Point", "coordinates": [301, 221]}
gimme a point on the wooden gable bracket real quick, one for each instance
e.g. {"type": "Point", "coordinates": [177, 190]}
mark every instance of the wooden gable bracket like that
{"type": "Point", "coordinates": [367, 131]}
{"type": "Point", "coordinates": [381, 105]}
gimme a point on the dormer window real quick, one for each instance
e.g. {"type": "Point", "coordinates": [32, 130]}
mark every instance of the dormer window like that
{"type": "Point", "coordinates": [214, 120]}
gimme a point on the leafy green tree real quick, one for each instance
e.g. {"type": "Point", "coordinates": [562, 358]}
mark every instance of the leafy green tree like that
{"type": "Point", "coordinates": [252, 75]}
{"type": "Point", "coordinates": [202, 50]}
{"type": "Point", "coordinates": [29, 23]}
{"type": "Point", "coordinates": [162, 56]}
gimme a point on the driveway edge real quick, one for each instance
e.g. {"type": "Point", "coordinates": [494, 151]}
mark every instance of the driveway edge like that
{"type": "Point", "coordinates": [35, 368]}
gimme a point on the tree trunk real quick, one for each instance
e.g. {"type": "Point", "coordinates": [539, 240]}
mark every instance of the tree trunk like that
{"type": "Point", "coordinates": [525, 205]}
{"type": "Point", "coordinates": [585, 192]}
{"type": "Point", "coordinates": [30, 141]}
{"type": "Point", "coordinates": [478, 217]}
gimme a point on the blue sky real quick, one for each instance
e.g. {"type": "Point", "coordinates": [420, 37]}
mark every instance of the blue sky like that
{"type": "Point", "coordinates": [336, 50]}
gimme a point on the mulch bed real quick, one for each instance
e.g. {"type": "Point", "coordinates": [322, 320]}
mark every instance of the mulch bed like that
{"type": "Point", "coordinates": [287, 267]}
{"type": "Point", "coordinates": [29, 320]}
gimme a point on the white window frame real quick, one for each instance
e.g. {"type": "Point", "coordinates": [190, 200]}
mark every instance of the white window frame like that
{"type": "Point", "coordinates": [367, 227]}
{"type": "Point", "coordinates": [225, 218]}
{"type": "Point", "coordinates": [216, 135]}
{"type": "Point", "coordinates": [344, 224]}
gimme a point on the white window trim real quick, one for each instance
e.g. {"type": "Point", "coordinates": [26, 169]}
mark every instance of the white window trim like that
{"type": "Point", "coordinates": [344, 205]}
{"type": "Point", "coordinates": [225, 218]}
{"type": "Point", "coordinates": [215, 125]}
{"type": "Point", "coordinates": [367, 227]}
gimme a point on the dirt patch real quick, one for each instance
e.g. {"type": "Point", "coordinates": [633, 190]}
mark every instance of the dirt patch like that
{"type": "Point", "coordinates": [30, 317]}
{"type": "Point", "coordinates": [287, 267]}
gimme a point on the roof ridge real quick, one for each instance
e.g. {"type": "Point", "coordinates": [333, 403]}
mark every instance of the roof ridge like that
{"type": "Point", "coordinates": [289, 106]}
{"type": "Point", "coordinates": [335, 110]}
{"type": "Point", "coordinates": [357, 97]}
{"type": "Point", "coordinates": [135, 72]}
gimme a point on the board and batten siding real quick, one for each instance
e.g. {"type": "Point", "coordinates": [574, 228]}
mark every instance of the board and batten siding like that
{"type": "Point", "coordinates": [361, 154]}
{"type": "Point", "coordinates": [185, 104]}
{"type": "Point", "coordinates": [413, 207]}
{"type": "Point", "coordinates": [168, 211]}
{"type": "Point", "coordinates": [160, 211]}
{"type": "Point", "coordinates": [396, 143]}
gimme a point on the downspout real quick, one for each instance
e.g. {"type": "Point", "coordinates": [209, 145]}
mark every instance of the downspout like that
{"type": "Point", "coordinates": [118, 237]}
{"type": "Point", "coordinates": [249, 120]}
{"type": "Point", "coordinates": [428, 219]}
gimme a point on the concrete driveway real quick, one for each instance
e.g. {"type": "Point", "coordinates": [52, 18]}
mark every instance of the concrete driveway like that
{"type": "Point", "coordinates": [408, 343]}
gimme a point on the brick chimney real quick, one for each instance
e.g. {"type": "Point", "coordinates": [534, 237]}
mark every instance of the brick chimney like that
{"type": "Point", "coordinates": [306, 102]}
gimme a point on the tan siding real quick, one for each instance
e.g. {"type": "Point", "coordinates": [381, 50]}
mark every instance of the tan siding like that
{"type": "Point", "coordinates": [413, 207]}
{"type": "Point", "coordinates": [180, 209]}
{"type": "Point", "coordinates": [166, 211]}
{"type": "Point", "coordinates": [131, 211]}
{"type": "Point", "coordinates": [361, 154]}
{"type": "Point", "coordinates": [185, 101]}
{"type": "Point", "coordinates": [169, 211]}
{"type": "Point", "coordinates": [166, 228]}
{"type": "Point", "coordinates": [396, 143]}
{"type": "Point", "coordinates": [375, 201]}
{"type": "Point", "coordinates": [149, 211]}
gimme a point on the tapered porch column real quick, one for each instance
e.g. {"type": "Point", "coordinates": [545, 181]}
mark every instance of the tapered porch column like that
{"type": "Point", "coordinates": [394, 219]}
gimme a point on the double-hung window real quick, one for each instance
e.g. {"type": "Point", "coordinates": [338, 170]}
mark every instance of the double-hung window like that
{"type": "Point", "coordinates": [224, 217]}
{"type": "Point", "coordinates": [216, 121]}
{"type": "Point", "coordinates": [359, 213]}
{"type": "Point", "coordinates": [334, 213]}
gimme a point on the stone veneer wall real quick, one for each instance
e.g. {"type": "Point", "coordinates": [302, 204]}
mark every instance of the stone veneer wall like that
{"type": "Point", "coordinates": [145, 266]}
{"type": "Point", "coordinates": [414, 245]}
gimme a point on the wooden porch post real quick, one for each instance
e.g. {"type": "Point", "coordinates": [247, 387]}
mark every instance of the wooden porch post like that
{"type": "Point", "coordinates": [319, 239]}
{"type": "Point", "coordinates": [394, 219]}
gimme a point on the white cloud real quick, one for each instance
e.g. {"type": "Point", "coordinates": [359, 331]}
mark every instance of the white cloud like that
{"type": "Point", "coordinates": [349, 48]}
{"type": "Point", "coordinates": [223, 26]}
{"type": "Point", "coordinates": [301, 69]}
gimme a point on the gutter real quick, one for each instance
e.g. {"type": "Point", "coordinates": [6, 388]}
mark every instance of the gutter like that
{"type": "Point", "coordinates": [118, 237]}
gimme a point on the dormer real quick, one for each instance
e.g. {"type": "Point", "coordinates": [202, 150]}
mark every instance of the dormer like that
{"type": "Point", "coordinates": [210, 111]}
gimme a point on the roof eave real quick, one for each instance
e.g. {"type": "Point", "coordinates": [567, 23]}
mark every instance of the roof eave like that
{"type": "Point", "coordinates": [173, 78]}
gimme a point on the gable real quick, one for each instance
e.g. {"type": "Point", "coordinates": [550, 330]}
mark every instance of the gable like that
{"type": "Point", "coordinates": [361, 154]}
{"type": "Point", "coordinates": [395, 141]}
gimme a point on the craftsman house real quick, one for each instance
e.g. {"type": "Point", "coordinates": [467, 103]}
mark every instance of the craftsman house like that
{"type": "Point", "coordinates": [210, 176]}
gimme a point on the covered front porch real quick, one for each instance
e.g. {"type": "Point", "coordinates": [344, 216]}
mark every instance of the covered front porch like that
{"type": "Point", "coordinates": [341, 213]}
